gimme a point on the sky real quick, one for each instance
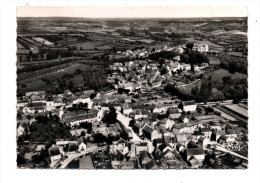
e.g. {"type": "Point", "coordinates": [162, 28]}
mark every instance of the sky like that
{"type": "Point", "coordinates": [131, 12]}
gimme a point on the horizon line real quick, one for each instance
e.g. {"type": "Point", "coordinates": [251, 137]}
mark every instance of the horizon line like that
{"type": "Point", "coordinates": [127, 17]}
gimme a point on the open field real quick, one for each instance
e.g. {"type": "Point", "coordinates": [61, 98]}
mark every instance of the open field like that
{"type": "Point", "coordinates": [220, 73]}
{"type": "Point", "coordinates": [203, 42]}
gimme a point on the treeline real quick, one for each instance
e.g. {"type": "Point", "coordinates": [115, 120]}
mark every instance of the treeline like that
{"type": "Point", "coordinates": [233, 67]}
{"type": "Point", "coordinates": [194, 57]}
{"type": "Point", "coordinates": [233, 64]}
{"type": "Point", "coordinates": [34, 67]}
{"type": "Point", "coordinates": [162, 54]}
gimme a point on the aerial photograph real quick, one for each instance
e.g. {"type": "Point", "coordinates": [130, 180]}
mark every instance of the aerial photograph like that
{"type": "Point", "coordinates": [132, 93]}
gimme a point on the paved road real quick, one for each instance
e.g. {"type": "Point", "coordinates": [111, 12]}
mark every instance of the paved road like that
{"type": "Point", "coordinates": [218, 147]}
{"type": "Point", "coordinates": [65, 163]}
{"type": "Point", "coordinates": [125, 121]}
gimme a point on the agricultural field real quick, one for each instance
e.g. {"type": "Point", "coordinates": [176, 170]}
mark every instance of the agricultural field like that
{"type": "Point", "coordinates": [73, 77]}
{"type": "Point", "coordinates": [191, 39]}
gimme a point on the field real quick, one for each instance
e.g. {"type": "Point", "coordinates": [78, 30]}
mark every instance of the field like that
{"type": "Point", "coordinates": [210, 44]}
{"type": "Point", "coordinates": [220, 73]}
{"type": "Point", "coordinates": [93, 75]}
{"type": "Point", "coordinates": [87, 45]}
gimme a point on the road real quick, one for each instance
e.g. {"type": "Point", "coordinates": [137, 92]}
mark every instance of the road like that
{"type": "Point", "coordinates": [218, 147]}
{"type": "Point", "coordinates": [125, 121]}
{"type": "Point", "coordinates": [65, 163]}
{"type": "Point", "coordinates": [188, 83]}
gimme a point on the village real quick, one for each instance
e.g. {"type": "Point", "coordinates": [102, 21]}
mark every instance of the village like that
{"type": "Point", "coordinates": [135, 125]}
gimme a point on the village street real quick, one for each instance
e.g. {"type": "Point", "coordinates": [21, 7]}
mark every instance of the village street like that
{"type": "Point", "coordinates": [125, 121]}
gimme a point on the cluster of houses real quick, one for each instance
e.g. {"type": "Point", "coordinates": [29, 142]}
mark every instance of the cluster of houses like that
{"type": "Point", "coordinates": [162, 132]}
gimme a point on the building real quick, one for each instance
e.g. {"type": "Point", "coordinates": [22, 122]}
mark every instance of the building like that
{"type": "Point", "coordinates": [197, 153]}
{"type": "Point", "coordinates": [189, 106]}
{"type": "Point", "coordinates": [202, 48]}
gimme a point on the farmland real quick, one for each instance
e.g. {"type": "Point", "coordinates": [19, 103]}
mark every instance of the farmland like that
{"type": "Point", "coordinates": [80, 75]}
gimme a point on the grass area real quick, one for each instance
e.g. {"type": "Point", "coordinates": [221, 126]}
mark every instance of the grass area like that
{"type": "Point", "coordinates": [48, 130]}
{"type": "Point", "coordinates": [220, 73]}
{"type": "Point", "coordinates": [237, 54]}
{"type": "Point", "coordinates": [87, 45]}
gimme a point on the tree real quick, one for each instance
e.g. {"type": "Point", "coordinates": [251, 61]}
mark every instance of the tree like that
{"type": "Point", "coordinates": [71, 85]}
{"type": "Point", "coordinates": [56, 118]}
{"type": "Point", "coordinates": [28, 117]}
{"type": "Point", "coordinates": [180, 106]}
{"type": "Point", "coordinates": [131, 123]}
{"type": "Point", "coordinates": [99, 138]}
{"type": "Point", "coordinates": [110, 118]}
{"type": "Point", "coordinates": [73, 147]}
{"type": "Point", "coordinates": [226, 79]}
{"type": "Point", "coordinates": [82, 133]}
{"type": "Point", "coordinates": [20, 159]}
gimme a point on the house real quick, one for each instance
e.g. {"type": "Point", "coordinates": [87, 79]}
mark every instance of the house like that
{"type": "Point", "coordinates": [140, 148]}
{"type": "Point", "coordinates": [202, 141]}
{"type": "Point", "coordinates": [151, 165]}
{"type": "Point", "coordinates": [155, 135]}
{"type": "Point", "coordinates": [20, 130]}
{"type": "Point", "coordinates": [194, 162]}
{"type": "Point", "coordinates": [183, 119]}
{"type": "Point", "coordinates": [217, 134]}
{"type": "Point", "coordinates": [38, 93]}
{"type": "Point", "coordinates": [116, 164]}
{"type": "Point", "coordinates": [168, 123]}
{"type": "Point", "coordinates": [38, 149]}
{"type": "Point", "coordinates": [169, 155]}
{"type": "Point", "coordinates": [197, 153]}
{"type": "Point", "coordinates": [158, 142]}
{"type": "Point", "coordinates": [174, 113]}
{"type": "Point", "coordinates": [157, 110]}
{"type": "Point", "coordinates": [182, 139]}
{"type": "Point", "coordinates": [145, 157]}
{"type": "Point", "coordinates": [82, 147]}
{"type": "Point", "coordinates": [206, 131]}
{"type": "Point", "coordinates": [197, 134]}
{"type": "Point", "coordinates": [82, 144]}
{"type": "Point", "coordinates": [127, 109]}
{"type": "Point", "coordinates": [128, 165]}
{"type": "Point", "coordinates": [54, 152]}
{"type": "Point", "coordinates": [203, 48]}
{"type": "Point", "coordinates": [231, 133]}
{"type": "Point", "coordinates": [192, 144]}
{"type": "Point", "coordinates": [119, 146]}
{"type": "Point", "coordinates": [189, 106]}
{"type": "Point", "coordinates": [171, 140]}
